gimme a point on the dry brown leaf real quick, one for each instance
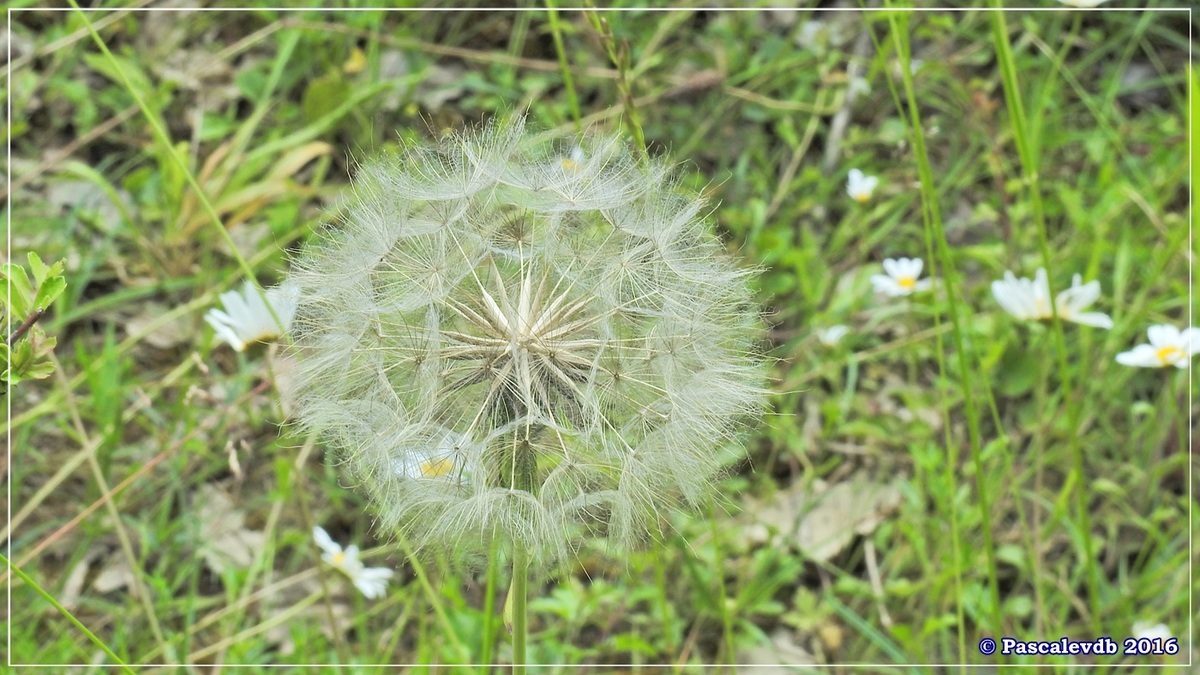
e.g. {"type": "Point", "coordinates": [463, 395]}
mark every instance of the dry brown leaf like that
{"type": "Point", "coordinates": [281, 634]}
{"type": "Point", "coordinates": [115, 575]}
{"type": "Point", "coordinates": [226, 542]}
{"type": "Point", "coordinates": [822, 521]}
{"type": "Point", "coordinates": [782, 652]}
{"type": "Point", "coordinates": [166, 336]}
{"type": "Point", "coordinates": [73, 586]}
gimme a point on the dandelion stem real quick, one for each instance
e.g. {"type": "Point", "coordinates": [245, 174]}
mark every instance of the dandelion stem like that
{"type": "Point", "coordinates": [489, 626]}
{"type": "Point", "coordinates": [516, 603]}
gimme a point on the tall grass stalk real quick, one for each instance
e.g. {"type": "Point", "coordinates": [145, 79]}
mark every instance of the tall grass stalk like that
{"type": "Point", "coordinates": [898, 24]}
{"type": "Point", "coordinates": [1027, 152]}
{"type": "Point", "coordinates": [167, 147]}
{"type": "Point", "coordinates": [65, 612]}
{"type": "Point", "coordinates": [950, 470]}
{"type": "Point", "coordinates": [433, 596]}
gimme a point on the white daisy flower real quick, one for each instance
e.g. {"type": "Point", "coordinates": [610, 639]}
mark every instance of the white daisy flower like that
{"type": "Point", "coordinates": [1168, 346]}
{"type": "Point", "coordinates": [832, 335]}
{"type": "Point", "coordinates": [1086, 4]}
{"type": "Point", "coordinates": [246, 318]}
{"type": "Point", "coordinates": [371, 581]}
{"type": "Point", "coordinates": [574, 159]}
{"type": "Point", "coordinates": [860, 187]}
{"type": "Point", "coordinates": [438, 455]}
{"type": "Point", "coordinates": [1029, 300]}
{"type": "Point", "coordinates": [902, 278]}
{"type": "Point", "coordinates": [1144, 629]}
{"type": "Point", "coordinates": [427, 465]}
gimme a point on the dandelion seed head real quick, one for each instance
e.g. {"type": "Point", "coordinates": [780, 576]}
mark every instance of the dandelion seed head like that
{"type": "Point", "coordinates": [524, 339]}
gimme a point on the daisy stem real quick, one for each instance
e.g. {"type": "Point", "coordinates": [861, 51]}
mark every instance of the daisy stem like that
{"type": "Point", "coordinates": [911, 354]}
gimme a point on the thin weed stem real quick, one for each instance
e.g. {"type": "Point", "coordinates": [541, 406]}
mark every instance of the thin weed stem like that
{"type": "Point", "coordinates": [564, 65]}
{"type": "Point", "coordinates": [619, 55]}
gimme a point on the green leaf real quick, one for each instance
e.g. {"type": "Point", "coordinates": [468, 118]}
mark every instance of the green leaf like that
{"type": "Point", "coordinates": [48, 292]}
{"type": "Point", "coordinates": [113, 69]}
{"type": "Point", "coordinates": [28, 358]}
{"type": "Point", "coordinates": [39, 268]}
{"type": "Point", "coordinates": [324, 95]}
{"type": "Point", "coordinates": [22, 290]}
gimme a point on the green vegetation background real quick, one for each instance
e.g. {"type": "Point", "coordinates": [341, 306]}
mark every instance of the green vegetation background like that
{"type": "Point", "coordinates": [996, 478]}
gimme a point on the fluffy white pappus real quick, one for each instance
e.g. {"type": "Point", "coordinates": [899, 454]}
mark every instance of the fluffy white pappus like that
{"type": "Point", "coordinates": [532, 339]}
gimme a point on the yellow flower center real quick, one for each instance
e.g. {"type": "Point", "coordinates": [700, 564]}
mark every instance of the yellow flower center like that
{"type": "Point", "coordinates": [862, 197]}
{"type": "Point", "coordinates": [436, 468]}
{"type": "Point", "coordinates": [1168, 355]}
{"type": "Point", "coordinates": [570, 164]}
{"type": "Point", "coordinates": [339, 558]}
{"type": "Point", "coordinates": [906, 282]}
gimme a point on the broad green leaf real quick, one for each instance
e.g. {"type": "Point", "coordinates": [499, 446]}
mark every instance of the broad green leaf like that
{"type": "Point", "coordinates": [48, 292]}
{"type": "Point", "coordinates": [39, 268]}
{"type": "Point", "coordinates": [22, 290]}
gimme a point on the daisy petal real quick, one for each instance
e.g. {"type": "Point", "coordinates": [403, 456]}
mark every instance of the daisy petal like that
{"type": "Point", "coordinates": [1141, 356]}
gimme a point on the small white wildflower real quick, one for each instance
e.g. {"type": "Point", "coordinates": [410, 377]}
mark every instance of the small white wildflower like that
{"type": "Point", "coordinates": [902, 278]}
{"type": "Point", "coordinates": [371, 581]}
{"type": "Point", "coordinates": [832, 335]}
{"type": "Point", "coordinates": [861, 187]}
{"type": "Point", "coordinates": [246, 318]}
{"type": "Point", "coordinates": [574, 159]}
{"type": "Point", "coordinates": [819, 36]}
{"type": "Point", "coordinates": [1085, 4]}
{"type": "Point", "coordinates": [914, 66]}
{"type": "Point", "coordinates": [859, 86]}
{"type": "Point", "coordinates": [1168, 346]}
{"type": "Point", "coordinates": [1148, 631]}
{"type": "Point", "coordinates": [1029, 300]}
{"type": "Point", "coordinates": [440, 457]}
